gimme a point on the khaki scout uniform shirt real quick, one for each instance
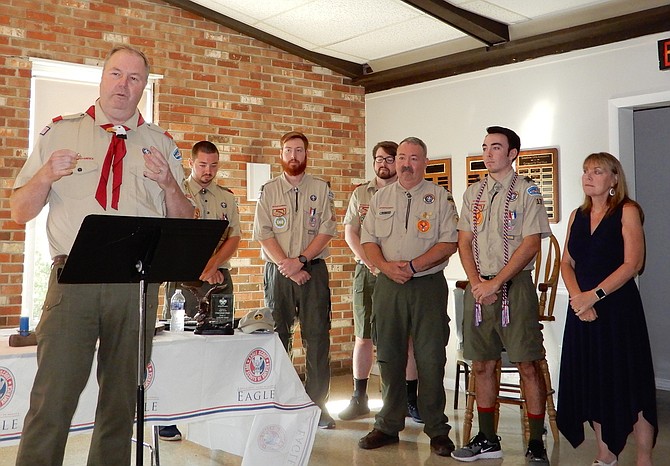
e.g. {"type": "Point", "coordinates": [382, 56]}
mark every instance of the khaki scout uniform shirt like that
{"type": "Point", "coordinates": [214, 202]}
{"type": "Point", "coordinates": [526, 214]}
{"type": "Point", "coordinates": [406, 223]}
{"type": "Point", "coordinates": [73, 197]}
{"type": "Point", "coordinates": [359, 203]}
{"type": "Point", "coordinates": [294, 215]}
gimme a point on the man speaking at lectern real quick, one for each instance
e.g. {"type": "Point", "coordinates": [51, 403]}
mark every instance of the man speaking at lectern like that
{"type": "Point", "coordinates": [106, 160]}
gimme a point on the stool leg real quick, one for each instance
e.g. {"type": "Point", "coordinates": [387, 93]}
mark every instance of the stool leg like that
{"type": "Point", "coordinates": [457, 383]}
{"type": "Point", "coordinates": [469, 407]}
{"type": "Point", "coordinates": [551, 410]}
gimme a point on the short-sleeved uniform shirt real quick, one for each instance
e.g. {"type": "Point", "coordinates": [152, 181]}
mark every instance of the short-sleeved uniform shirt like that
{"type": "Point", "coordinates": [527, 216]}
{"type": "Point", "coordinates": [72, 198]}
{"type": "Point", "coordinates": [407, 223]}
{"type": "Point", "coordinates": [295, 215]}
{"type": "Point", "coordinates": [214, 202]}
{"type": "Point", "coordinates": [359, 203]}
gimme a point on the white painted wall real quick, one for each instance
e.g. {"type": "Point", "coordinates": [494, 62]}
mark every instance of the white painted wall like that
{"type": "Point", "coordinates": [558, 101]}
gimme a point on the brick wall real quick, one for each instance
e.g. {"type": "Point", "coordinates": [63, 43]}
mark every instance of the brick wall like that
{"type": "Point", "coordinates": [218, 85]}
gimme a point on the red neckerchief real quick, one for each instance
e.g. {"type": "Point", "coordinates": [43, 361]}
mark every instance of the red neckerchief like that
{"type": "Point", "coordinates": [113, 161]}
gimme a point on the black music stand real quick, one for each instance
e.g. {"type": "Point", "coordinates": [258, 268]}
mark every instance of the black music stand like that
{"type": "Point", "coordinates": [119, 249]}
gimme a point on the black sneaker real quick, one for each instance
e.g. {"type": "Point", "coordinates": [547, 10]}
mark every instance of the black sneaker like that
{"type": "Point", "coordinates": [325, 420]}
{"type": "Point", "coordinates": [357, 407]}
{"type": "Point", "coordinates": [169, 433]}
{"type": "Point", "coordinates": [536, 453]}
{"type": "Point", "coordinates": [478, 448]}
{"type": "Point", "coordinates": [413, 412]}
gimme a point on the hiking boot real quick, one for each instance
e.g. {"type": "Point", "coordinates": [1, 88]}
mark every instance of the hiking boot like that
{"type": "Point", "coordinates": [377, 438]}
{"type": "Point", "coordinates": [442, 445]}
{"type": "Point", "coordinates": [326, 421]}
{"type": "Point", "coordinates": [169, 433]}
{"type": "Point", "coordinates": [357, 407]}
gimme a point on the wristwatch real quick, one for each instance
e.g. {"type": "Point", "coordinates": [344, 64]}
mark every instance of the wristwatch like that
{"type": "Point", "coordinates": [600, 293]}
{"type": "Point", "coordinates": [302, 259]}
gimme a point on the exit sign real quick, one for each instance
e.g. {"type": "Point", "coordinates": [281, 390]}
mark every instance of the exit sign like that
{"type": "Point", "coordinates": [664, 54]}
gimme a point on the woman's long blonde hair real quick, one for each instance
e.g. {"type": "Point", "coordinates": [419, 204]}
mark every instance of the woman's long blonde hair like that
{"type": "Point", "coordinates": [611, 163]}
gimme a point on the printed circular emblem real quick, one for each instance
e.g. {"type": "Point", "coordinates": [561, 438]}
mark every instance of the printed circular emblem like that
{"type": "Point", "coordinates": [272, 438]}
{"type": "Point", "coordinates": [6, 386]}
{"type": "Point", "coordinates": [224, 205]}
{"type": "Point", "coordinates": [312, 197]}
{"type": "Point", "coordinates": [150, 375]}
{"type": "Point", "coordinates": [423, 226]}
{"type": "Point", "coordinates": [257, 366]}
{"type": "Point", "coordinates": [513, 197]}
{"type": "Point", "coordinates": [280, 222]}
{"type": "Point", "coordinates": [428, 198]}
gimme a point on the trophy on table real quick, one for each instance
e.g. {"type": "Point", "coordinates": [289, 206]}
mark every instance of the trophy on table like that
{"type": "Point", "coordinates": [216, 314]}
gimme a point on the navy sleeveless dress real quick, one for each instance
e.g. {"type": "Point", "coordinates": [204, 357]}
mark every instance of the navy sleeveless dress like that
{"type": "Point", "coordinates": [606, 374]}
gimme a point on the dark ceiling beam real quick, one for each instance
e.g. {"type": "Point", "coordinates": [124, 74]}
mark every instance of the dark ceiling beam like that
{"type": "Point", "coordinates": [484, 29]}
{"type": "Point", "coordinates": [344, 67]}
{"type": "Point", "coordinates": [565, 40]}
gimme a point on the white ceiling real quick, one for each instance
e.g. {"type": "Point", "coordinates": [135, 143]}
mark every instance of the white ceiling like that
{"type": "Point", "coordinates": [390, 33]}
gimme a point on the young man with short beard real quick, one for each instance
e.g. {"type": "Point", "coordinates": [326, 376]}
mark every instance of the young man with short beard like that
{"type": "Point", "coordinates": [294, 223]}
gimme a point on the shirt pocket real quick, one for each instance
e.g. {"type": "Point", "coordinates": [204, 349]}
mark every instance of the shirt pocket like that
{"type": "Point", "coordinates": [384, 222]}
{"type": "Point", "coordinates": [514, 222]}
{"type": "Point", "coordinates": [82, 184]}
{"type": "Point", "coordinates": [147, 193]}
{"type": "Point", "coordinates": [425, 224]}
{"type": "Point", "coordinates": [280, 223]}
{"type": "Point", "coordinates": [312, 221]}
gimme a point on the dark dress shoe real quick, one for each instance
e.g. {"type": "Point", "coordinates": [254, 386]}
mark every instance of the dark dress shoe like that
{"type": "Point", "coordinates": [442, 445]}
{"type": "Point", "coordinates": [376, 439]}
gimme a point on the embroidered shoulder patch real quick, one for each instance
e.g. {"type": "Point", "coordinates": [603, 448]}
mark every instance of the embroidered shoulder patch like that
{"type": "Point", "coordinates": [533, 191]}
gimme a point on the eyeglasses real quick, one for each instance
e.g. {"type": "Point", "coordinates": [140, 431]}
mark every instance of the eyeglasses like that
{"type": "Point", "coordinates": [389, 159]}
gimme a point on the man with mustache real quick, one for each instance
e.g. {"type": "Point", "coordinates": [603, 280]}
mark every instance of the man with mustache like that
{"type": "Point", "coordinates": [365, 277]}
{"type": "Point", "coordinates": [294, 222]}
{"type": "Point", "coordinates": [409, 233]}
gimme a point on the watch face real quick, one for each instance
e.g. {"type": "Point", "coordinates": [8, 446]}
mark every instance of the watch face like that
{"type": "Point", "coordinates": [302, 259]}
{"type": "Point", "coordinates": [600, 293]}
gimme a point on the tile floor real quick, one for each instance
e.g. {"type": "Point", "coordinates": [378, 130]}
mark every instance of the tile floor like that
{"type": "Point", "coordinates": [338, 447]}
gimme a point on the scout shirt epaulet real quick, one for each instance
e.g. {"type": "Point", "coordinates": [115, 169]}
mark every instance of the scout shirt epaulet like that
{"type": "Point", "coordinates": [176, 154]}
{"type": "Point", "coordinates": [158, 129]}
{"type": "Point", "coordinates": [55, 120]}
{"type": "Point", "coordinates": [227, 189]}
{"type": "Point", "coordinates": [322, 180]}
{"type": "Point", "coordinates": [529, 179]}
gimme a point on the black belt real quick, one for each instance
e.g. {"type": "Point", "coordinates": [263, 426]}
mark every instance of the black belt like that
{"type": "Point", "coordinates": [59, 260]}
{"type": "Point", "coordinates": [491, 277]}
{"type": "Point", "coordinates": [315, 261]}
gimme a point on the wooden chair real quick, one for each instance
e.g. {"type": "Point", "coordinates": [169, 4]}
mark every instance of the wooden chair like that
{"type": "Point", "coordinates": [547, 267]}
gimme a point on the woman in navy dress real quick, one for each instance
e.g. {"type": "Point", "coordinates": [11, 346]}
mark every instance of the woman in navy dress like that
{"type": "Point", "coordinates": [607, 376]}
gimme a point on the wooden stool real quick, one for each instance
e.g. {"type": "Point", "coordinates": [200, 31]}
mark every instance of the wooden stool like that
{"type": "Point", "coordinates": [519, 400]}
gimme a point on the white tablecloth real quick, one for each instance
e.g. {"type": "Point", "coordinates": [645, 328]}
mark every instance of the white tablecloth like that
{"type": "Point", "coordinates": [237, 393]}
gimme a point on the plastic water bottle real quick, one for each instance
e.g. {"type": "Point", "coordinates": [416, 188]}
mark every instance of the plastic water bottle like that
{"type": "Point", "coordinates": [177, 311]}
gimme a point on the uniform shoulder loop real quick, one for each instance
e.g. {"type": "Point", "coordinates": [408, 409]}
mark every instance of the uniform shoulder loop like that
{"type": "Point", "coordinates": [528, 179]}
{"type": "Point", "coordinates": [321, 180]}
{"type": "Point", "coordinates": [158, 129]}
{"type": "Point", "coordinates": [74, 116]}
{"type": "Point", "coordinates": [227, 189]}
{"type": "Point", "coordinates": [55, 120]}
